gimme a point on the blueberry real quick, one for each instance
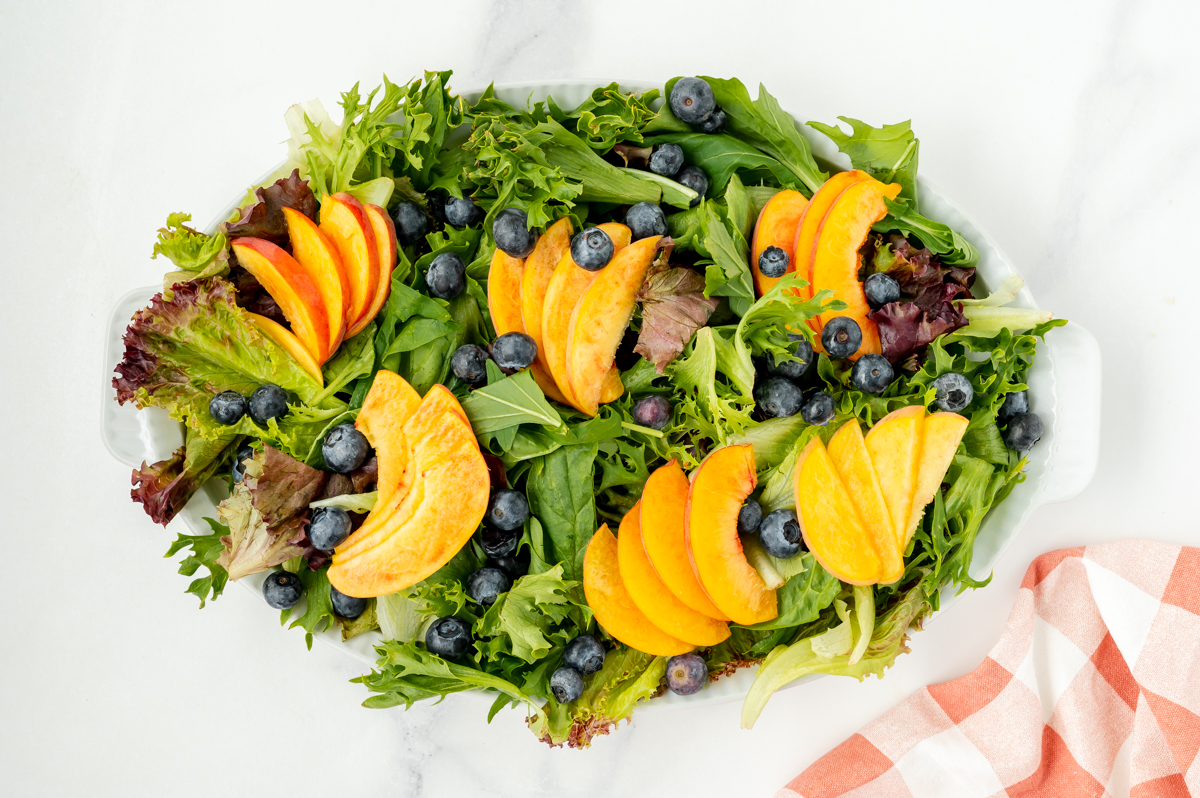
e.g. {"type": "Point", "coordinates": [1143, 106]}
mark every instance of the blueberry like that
{"type": "Point", "coordinates": [667, 160]}
{"type": "Point", "coordinates": [792, 369]}
{"type": "Point", "coordinates": [585, 654]}
{"type": "Point", "coordinates": [954, 392]}
{"type": "Point", "coordinates": [841, 336]}
{"type": "Point", "coordinates": [749, 517]}
{"type": "Point", "coordinates": [694, 178]}
{"type": "Point", "coordinates": [499, 542]}
{"type": "Point", "coordinates": [328, 527]}
{"type": "Point", "coordinates": [644, 220]}
{"type": "Point", "coordinates": [239, 462]}
{"type": "Point", "coordinates": [268, 402]}
{"type": "Point", "coordinates": [652, 411]}
{"type": "Point", "coordinates": [448, 637]}
{"type": "Point", "coordinates": [686, 674]}
{"type": "Point", "coordinates": [508, 509]}
{"type": "Point", "coordinates": [411, 223]}
{"type": "Point", "coordinates": [282, 590]}
{"type": "Point", "coordinates": [437, 204]}
{"type": "Point", "coordinates": [714, 122]}
{"type": "Point", "coordinates": [447, 276]}
{"type": "Point", "coordinates": [778, 398]}
{"type": "Point", "coordinates": [515, 565]}
{"type": "Point", "coordinates": [881, 289]}
{"type": "Point", "coordinates": [513, 351]}
{"type": "Point", "coordinates": [1024, 430]}
{"type": "Point", "coordinates": [872, 373]}
{"type": "Point", "coordinates": [1015, 403]}
{"type": "Point", "coordinates": [803, 351]}
{"type": "Point", "coordinates": [773, 262]}
{"type": "Point", "coordinates": [511, 232]}
{"type": "Point", "coordinates": [692, 100]}
{"type": "Point", "coordinates": [486, 584]}
{"type": "Point", "coordinates": [819, 410]}
{"type": "Point", "coordinates": [228, 407]}
{"type": "Point", "coordinates": [591, 249]}
{"type": "Point", "coordinates": [566, 684]}
{"type": "Point", "coordinates": [461, 211]}
{"type": "Point", "coordinates": [348, 607]}
{"type": "Point", "coordinates": [344, 448]}
{"type": "Point", "coordinates": [469, 364]}
{"type": "Point", "coordinates": [780, 534]}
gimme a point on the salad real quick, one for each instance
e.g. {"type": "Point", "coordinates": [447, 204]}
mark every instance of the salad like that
{"type": "Point", "coordinates": [576, 406]}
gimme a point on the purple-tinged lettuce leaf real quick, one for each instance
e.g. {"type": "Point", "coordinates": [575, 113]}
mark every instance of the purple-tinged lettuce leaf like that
{"type": "Point", "coordinates": [673, 308]}
{"type": "Point", "coordinates": [163, 488]}
{"type": "Point", "coordinates": [264, 219]}
{"type": "Point", "coordinates": [905, 329]}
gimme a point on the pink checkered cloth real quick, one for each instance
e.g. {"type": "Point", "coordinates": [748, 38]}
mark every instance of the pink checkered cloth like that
{"type": "Point", "coordinates": [1094, 690]}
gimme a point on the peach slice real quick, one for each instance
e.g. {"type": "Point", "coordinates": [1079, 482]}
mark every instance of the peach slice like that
{"type": "Point", "coordinates": [317, 255]}
{"type": "Point", "coordinates": [413, 542]}
{"type": "Point", "coordinates": [719, 487]}
{"type": "Point", "coordinates": [599, 320]}
{"type": "Point", "coordinates": [568, 283]}
{"type": "Point", "coordinates": [387, 407]}
{"type": "Point", "coordinates": [832, 529]}
{"type": "Point", "coordinates": [385, 242]}
{"type": "Point", "coordinates": [813, 215]}
{"type": "Point", "coordinates": [776, 227]}
{"type": "Point", "coordinates": [662, 522]}
{"type": "Point", "coordinates": [539, 268]}
{"type": "Point", "coordinates": [895, 447]}
{"type": "Point", "coordinates": [939, 442]}
{"type": "Point", "coordinates": [344, 220]}
{"type": "Point", "coordinates": [291, 287]}
{"type": "Point", "coordinates": [504, 292]}
{"type": "Point", "coordinates": [652, 597]}
{"type": "Point", "coordinates": [614, 609]}
{"type": "Point", "coordinates": [848, 453]}
{"type": "Point", "coordinates": [835, 259]}
{"type": "Point", "coordinates": [290, 344]}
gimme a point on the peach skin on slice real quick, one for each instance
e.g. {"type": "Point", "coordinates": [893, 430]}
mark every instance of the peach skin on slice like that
{"type": "Point", "coordinates": [568, 283]}
{"type": "Point", "coordinates": [344, 220]}
{"type": "Point", "coordinates": [317, 255]}
{"type": "Point", "coordinates": [455, 487]}
{"type": "Point", "coordinates": [811, 218]}
{"type": "Point", "coordinates": [387, 407]}
{"type": "Point", "coordinates": [894, 444]}
{"type": "Point", "coordinates": [599, 320]}
{"type": "Point", "coordinates": [290, 344]}
{"type": "Point", "coordinates": [653, 598]}
{"type": "Point", "coordinates": [832, 529]}
{"type": "Point", "coordinates": [849, 455]}
{"type": "Point", "coordinates": [939, 442]}
{"type": "Point", "coordinates": [776, 227]}
{"type": "Point", "coordinates": [663, 515]}
{"type": "Point", "coordinates": [835, 260]}
{"type": "Point", "coordinates": [292, 289]}
{"type": "Point", "coordinates": [385, 242]}
{"type": "Point", "coordinates": [614, 609]}
{"type": "Point", "coordinates": [719, 487]}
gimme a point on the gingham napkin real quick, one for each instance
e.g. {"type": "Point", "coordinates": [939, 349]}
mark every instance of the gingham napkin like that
{"type": "Point", "coordinates": [1094, 690]}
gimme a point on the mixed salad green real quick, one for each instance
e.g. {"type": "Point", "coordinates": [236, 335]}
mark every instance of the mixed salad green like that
{"type": "Point", "coordinates": [699, 339]}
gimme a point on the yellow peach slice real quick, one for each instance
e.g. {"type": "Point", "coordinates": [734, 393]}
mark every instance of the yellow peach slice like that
{"type": "Point", "coordinates": [895, 447]}
{"type": "Point", "coordinates": [940, 440]}
{"type": "Point", "coordinates": [539, 268]}
{"type": "Point", "coordinates": [290, 344]}
{"type": "Point", "coordinates": [386, 409]}
{"type": "Point", "coordinates": [848, 452]}
{"type": "Point", "coordinates": [293, 290]}
{"type": "Point", "coordinates": [317, 255]}
{"type": "Point", "coordinates": [829, 520]}
{"type": "Point", "coordinates": [344, 220]}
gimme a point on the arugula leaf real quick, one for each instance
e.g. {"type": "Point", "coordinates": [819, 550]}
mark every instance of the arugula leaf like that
{"type": "Point", "coordinates": [562, 497]}
{"type": "Point", "coordinates": [318, 605]}
{"type": "Point", "coordinates": [431, 113]}
{"type": "Point", "coordinates": [726, 272]}
{"type": "Point", "coordinates": [520, 621]}
{"type": "Point", "coordinates": [508, 402]}
{"type": "Point", "coordinates": [407, 673]}
{"type": "Point", "coordinates": [206, 551]}
{"type": "Point", "coordinates": [888, 154]}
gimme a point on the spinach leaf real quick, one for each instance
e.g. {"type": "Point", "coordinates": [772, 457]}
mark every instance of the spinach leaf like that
{"type": "Point", "coordinates": [727, 272]}
{"type": "Point", "coordinates": [562, 497]}
{"type": "Point", "coordinates": [508, 402]}
{"type": "Point", "coordinates": [724, 156]}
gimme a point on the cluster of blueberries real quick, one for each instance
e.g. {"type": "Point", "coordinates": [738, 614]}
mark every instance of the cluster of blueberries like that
{"type": "Point", "coordinates": [267, 402]}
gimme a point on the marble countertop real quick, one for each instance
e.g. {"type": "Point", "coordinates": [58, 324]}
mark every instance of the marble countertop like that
{"type": "Point", "coordinates": [1068, 131]}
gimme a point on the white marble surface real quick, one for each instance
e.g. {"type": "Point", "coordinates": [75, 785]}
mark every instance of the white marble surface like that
{"type": "Point", "coordinates": [1069, 131]}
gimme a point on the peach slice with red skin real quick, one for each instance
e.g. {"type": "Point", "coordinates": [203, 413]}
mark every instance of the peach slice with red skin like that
{"type": "Point", "coordinates": [290, 344]}
{"type": "Point", "coordinates": [829, 520]}
{"type": "Point", "coordinates": [291, 287]}
{"type": "Point", "coordinates": [663, 518]}
{"type": "Point", "coordinates": [719, 487]}
{"type": "Point", "coordinates": [848, 453]}
{"type": "Point", "coordinates": [614, 609]}
{"type": "Point", "coordinates": [939, 442]}
{"type": "Point", "coordinates": [317, 255]}
{"type": "Point", "coordinates": [895, 447]}
{"type": "Point", "coordinates": [344, 220]}
{"type": "Point", "coordinates": [539, 268]}
{"type": "Point", "coordinates": [776, 227]}
{"type": "Point", "coordinates": [653, 598]}
{"type": "Point", "coordinates": [811, 218]}
{"type": "Point", "coordinates": [387, 407]}
{"type": "Point", "coordinates": [599, 320]}
{"type": "Point", "coordinates": [385, 242]}
{"type": "Point", "coordinates": [567, 285]}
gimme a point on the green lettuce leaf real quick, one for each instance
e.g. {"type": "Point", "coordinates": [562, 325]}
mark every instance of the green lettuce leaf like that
{"type": "Point", "coordinates": [407, 673]}
{"type": "Point", "coordinates": [522, 621]}
{"type": "Point", "coordinates": [350, 502]}
{"type": "Point", "coordinates": [951, 247]}
{"type": "Point", "coordinates": [195, 254]}
{"type": "Point", "coordinates": [608, 116]}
